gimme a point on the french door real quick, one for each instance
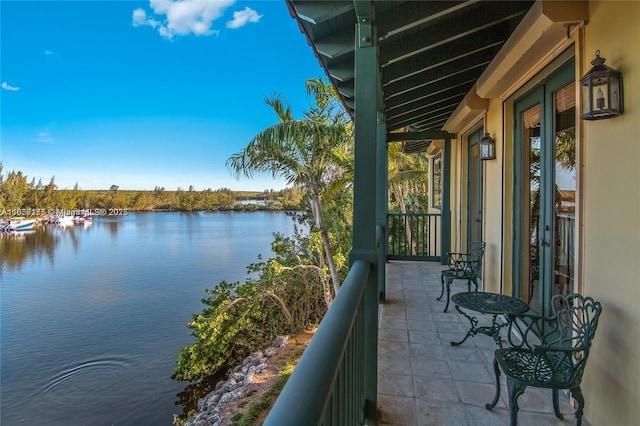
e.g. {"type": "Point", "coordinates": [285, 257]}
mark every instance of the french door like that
{"type": "Point", "coordinates": [474, 189]}
{"type": "Point", "coordinates": [545, 192]}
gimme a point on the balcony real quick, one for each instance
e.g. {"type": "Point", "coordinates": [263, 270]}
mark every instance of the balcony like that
{"type": "Point", "coordinates": [423, 380]}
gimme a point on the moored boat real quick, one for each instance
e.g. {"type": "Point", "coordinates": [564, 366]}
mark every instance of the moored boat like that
{"type": "Point", "coordinates": [82, 219]}
{"type": "Point", "coordinates": [18, 224]}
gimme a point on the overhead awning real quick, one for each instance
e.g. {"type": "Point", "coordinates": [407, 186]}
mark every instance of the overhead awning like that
{"type": "Point", "coordinates": [430, 53]}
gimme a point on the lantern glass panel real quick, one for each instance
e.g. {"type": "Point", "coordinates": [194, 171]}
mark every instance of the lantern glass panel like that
{"type": "Point", "coordinates": [586, 98]}
{"type": "Point", "coordinates": [615, 93]}
{"type": "Point", "coordinates": [485, 150]}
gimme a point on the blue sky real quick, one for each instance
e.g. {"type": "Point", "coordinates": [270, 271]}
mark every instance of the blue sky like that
{"type": "Point", "coordinates": [142, 94]}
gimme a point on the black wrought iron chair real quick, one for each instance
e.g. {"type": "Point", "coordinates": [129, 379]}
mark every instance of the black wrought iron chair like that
{"type": "Point", "coordinates": [462, 266]}
{"type": "Point", "coordinates": [548, 352]}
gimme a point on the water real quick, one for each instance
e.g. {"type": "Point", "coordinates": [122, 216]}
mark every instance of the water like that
{"type": "Point", "coordinates": [92, 317]}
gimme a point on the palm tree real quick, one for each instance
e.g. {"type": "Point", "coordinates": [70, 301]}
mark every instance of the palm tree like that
{"type": "Point", "coordinates": [307, 152]}
{"type": "Point", "coordinates": [408, 174]}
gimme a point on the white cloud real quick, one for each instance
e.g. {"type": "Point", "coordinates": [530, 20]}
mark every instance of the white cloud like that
{"type": "Point", "coordinates": [44, 137]}
{"type": "Point", "coordinates": [182, 17]}
{"type": "Point", "coordinates": [6, 86]}
{"type": "Point", "coordinates": [241, 17]}
{"type": "Point", "coordinates": [51, 54]}
{"type": "Point", "coordinates": [140, 18]}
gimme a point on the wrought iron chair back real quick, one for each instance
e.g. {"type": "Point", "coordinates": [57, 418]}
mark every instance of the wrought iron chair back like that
{"type": "Point", "coordinates": [549, 352]}
{"type": "Point", "coordinates": [463, 266]}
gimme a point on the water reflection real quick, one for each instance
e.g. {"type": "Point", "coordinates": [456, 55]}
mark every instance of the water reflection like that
{"type": "Point", "coordinates": [192, 393]}
{"type": "Point", "coordinates": [18, 249]}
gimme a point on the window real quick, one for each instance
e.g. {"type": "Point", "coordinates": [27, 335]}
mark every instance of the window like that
{"type": "Point", "coordinates": [436, 181]}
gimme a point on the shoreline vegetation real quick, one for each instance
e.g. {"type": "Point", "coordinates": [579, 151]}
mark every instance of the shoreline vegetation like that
{"type": "Point", "coordinates": [20, 196]}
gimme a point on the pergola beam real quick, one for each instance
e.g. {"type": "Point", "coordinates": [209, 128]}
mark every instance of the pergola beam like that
{"type": "Point", "coordinates": [426, 135]}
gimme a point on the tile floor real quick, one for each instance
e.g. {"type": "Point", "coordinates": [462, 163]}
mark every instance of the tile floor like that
{"type": "Point", "coordinates": [423, 380]}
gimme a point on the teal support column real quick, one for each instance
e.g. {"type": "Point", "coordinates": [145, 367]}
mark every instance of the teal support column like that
{"type": "Point", "coordinates": [445, 222]}
{"type": "Point", "coordinates": [365, 193]}
{"type": "Point", "coordinates": [382, 202]}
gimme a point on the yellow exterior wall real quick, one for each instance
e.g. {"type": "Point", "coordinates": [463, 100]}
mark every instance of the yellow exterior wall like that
{"type": "Point", "coordinates": [608, 210]}
{"type": "Point", "coordinates": [611, 220]}
{"type": "Point", "coordinates": [458, 227]}
{"type": "Point", "coordinates": [493, 201]}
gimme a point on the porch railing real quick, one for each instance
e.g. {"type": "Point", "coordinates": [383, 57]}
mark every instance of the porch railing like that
{"type": "Point", "coordinates": [413, 236]}
{"type": "Point", "coordinates": [327, 385]}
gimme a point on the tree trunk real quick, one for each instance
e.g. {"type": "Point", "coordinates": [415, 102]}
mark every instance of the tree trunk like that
{"type": "Point", "coordinates": [317, 217]}
{"type": "Point", "coordinates": [403, 209]}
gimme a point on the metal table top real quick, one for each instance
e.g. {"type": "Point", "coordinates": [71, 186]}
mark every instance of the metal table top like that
{"type": "Point", "coordinates": [490, 303]}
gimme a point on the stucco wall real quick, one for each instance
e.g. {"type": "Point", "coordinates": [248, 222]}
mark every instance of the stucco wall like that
{"type": "Point", "coordinates": [492, 209]}
{"type": "Point", "coordinates": [611, 260]}
{"type": "Point", "coordinates": [609, 214]}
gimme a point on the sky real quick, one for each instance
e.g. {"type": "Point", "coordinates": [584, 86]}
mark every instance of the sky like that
{"type": "Point", "coordinates": [141, 94]}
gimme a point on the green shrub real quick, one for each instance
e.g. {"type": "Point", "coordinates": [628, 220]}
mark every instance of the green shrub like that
{"type": "Point", "coordinates": [241, 318]}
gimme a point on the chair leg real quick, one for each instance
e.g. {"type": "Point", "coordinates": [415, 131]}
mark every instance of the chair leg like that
{"type": "Point", "coordinates": [475, 284]}
{"type": "Point", "coordinates": [442, 284]}
{"type": "Point", "coordinates": [577, 394]}
{"type": "Point", "coordinates": [496, 369]}
{"type": "Point", "coordinates": [515, 390]}
{"type": "Point", "coordinates": [556, 404]}
{"type": "Point", "coordinates": [448, 285]}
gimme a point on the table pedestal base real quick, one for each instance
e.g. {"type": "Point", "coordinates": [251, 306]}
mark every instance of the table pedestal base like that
{"type": "Point", "coordinates": [492, 330]}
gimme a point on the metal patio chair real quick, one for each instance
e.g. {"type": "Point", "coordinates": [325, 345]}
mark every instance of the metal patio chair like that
{"type": "Point", "coordinates": [549, 352]}
{"type": "Point", "coordinates": [462, 266]}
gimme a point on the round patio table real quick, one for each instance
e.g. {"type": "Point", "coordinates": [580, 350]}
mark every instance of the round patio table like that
{"type": "Point", "coordinates": [487, 303]}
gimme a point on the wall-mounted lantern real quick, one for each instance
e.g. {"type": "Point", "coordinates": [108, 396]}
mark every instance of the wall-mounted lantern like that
{"type": "Point", "coordinates": [487, 148]}
{"type": "Point", "coordinates": [601, 91]}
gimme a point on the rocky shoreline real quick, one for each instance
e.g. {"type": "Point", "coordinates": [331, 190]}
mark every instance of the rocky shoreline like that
{"type": "Point", "coordinates": [217, 408]}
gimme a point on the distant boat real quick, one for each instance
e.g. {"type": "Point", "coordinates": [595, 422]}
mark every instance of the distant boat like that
{"type": "Point", "coordinates": [82, 219]}
{"type": "Point", "coordinates": [18, 224]}
{"type": "Point", "coordinates": [62, 220]}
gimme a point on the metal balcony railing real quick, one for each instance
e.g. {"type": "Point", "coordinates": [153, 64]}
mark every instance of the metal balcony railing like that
{"type": "Point", "coordinates": [327, 386]}
{"type": "Point", "coordinates": [413, 236]}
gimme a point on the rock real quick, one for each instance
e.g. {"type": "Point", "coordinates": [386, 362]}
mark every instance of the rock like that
{"type": "Point", "coordinates": [248, 378]}
{"type": "Point", "coordinates": [280, 341]}
{"type": "Point", "coordinates": [238, 377]}
{"type": "Point", "coordinates": [202, 403]}
{"type": "Point", "coordinates": [211, 408]}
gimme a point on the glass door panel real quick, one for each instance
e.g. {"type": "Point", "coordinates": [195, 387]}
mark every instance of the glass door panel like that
{"type": "Point", "coordinates": [531, 214]}
{"type": "Point", "coordinates": [474, 190]}
{"type": "Point", "coordinates": [565, 188]}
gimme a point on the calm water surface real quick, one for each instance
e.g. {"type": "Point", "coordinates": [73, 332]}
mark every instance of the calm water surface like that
{"type": "Point", "coordinates": [92, 317]}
